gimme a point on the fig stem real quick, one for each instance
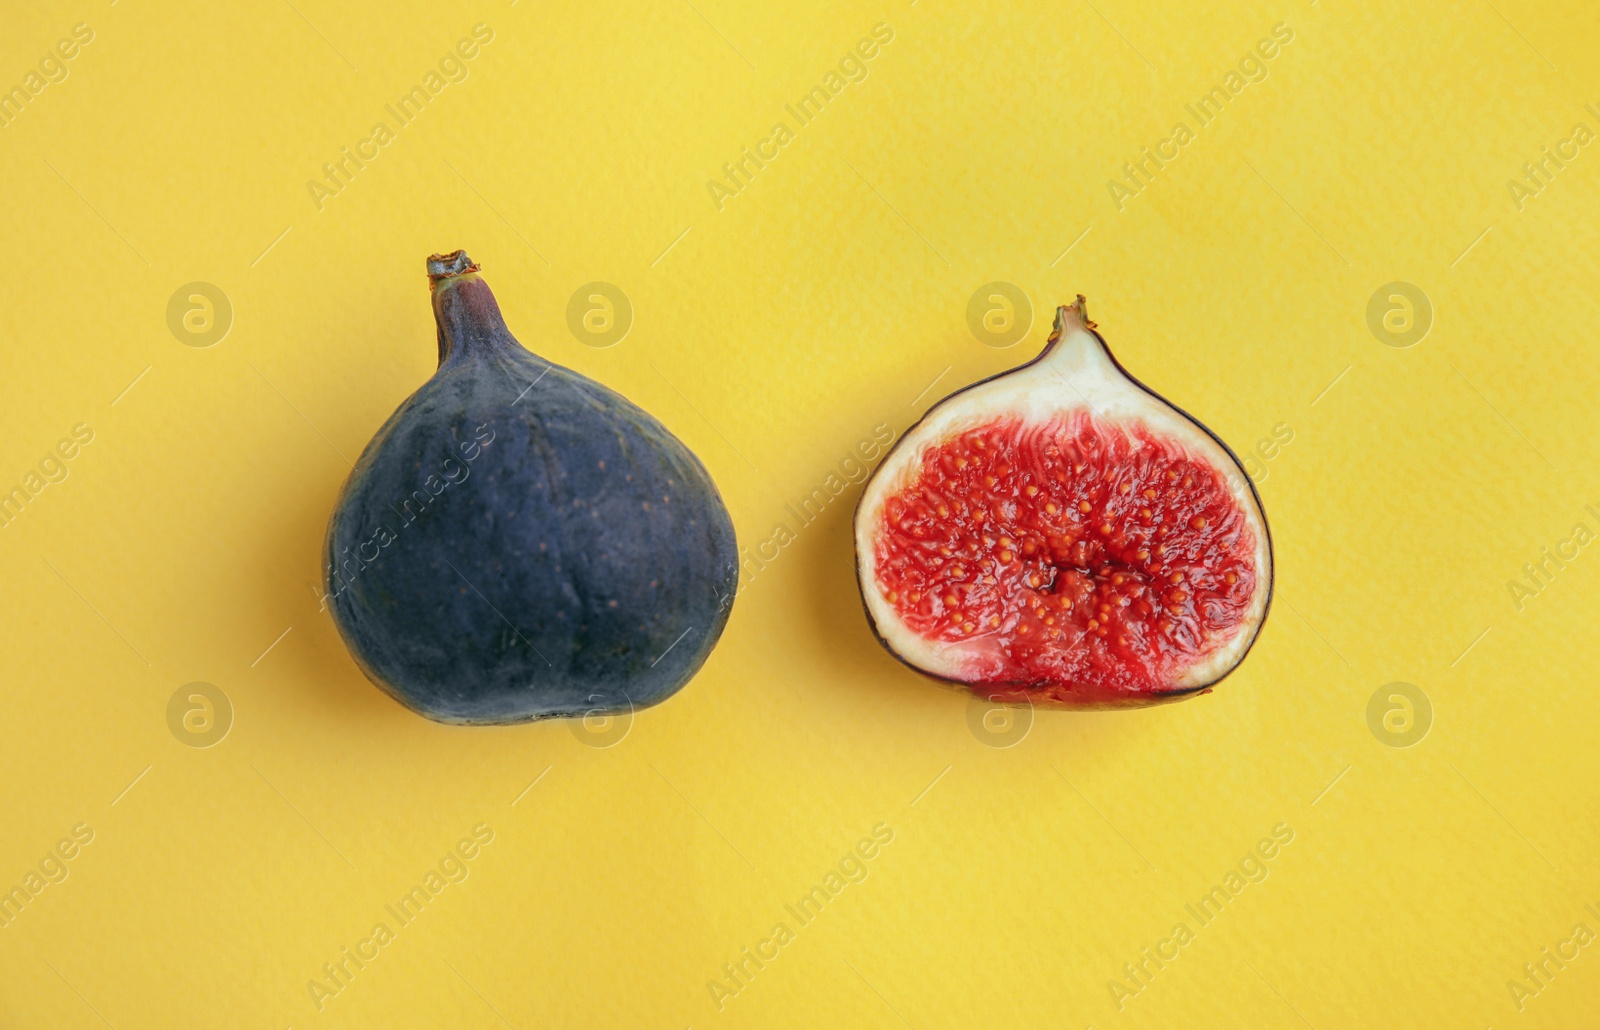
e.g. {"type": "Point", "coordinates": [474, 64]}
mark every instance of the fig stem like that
{"type": "Point", "coordinates": [464, 308]}
{"type": "Point", "coordinates": [1071, 316]}
{"type": "Point", "coordinates": [447, 266]}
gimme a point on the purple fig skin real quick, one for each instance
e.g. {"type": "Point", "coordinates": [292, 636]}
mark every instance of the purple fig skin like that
{"type": "Point", "coordinates": [519, 542]}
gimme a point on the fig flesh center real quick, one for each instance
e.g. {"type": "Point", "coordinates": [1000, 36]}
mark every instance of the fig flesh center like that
{"type": "Point", "coordinates": [1067, 551]}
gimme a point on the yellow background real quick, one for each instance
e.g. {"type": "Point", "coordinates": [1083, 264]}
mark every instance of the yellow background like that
{"type": "Point", "coordinates": [772, 337]}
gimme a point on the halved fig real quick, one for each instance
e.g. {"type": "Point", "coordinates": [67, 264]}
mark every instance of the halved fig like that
{"type": "Point", "coordinates": [1060, 534]}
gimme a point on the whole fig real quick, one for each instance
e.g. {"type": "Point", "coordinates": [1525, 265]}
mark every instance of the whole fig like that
{"type": "Point", "coordinates": [519, 542]}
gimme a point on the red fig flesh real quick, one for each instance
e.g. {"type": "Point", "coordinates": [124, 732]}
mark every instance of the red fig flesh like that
{"type": "Point", "coordinates": [1062, 535]}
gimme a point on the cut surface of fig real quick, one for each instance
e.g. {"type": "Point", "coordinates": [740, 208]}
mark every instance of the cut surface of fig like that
{"type": "Point", "coordinates": [1060, 534]}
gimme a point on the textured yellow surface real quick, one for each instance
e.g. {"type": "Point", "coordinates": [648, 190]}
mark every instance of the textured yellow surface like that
{"type": "Point", "coordinates": [781, 320]}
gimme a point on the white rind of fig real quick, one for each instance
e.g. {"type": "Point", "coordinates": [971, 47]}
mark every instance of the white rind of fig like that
{"type": "Point", "coordinates": [1074, 374]}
